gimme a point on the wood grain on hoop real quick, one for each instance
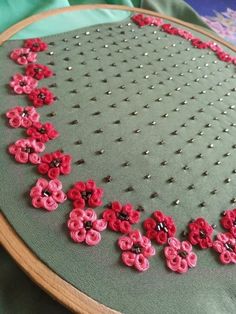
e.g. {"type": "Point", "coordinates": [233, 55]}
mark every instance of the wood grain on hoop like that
{"type": "Point", "coordinates": [48, 280]}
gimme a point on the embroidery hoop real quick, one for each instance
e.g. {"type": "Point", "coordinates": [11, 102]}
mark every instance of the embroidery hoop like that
{"type": "Point", "coordinates": [48, 280]}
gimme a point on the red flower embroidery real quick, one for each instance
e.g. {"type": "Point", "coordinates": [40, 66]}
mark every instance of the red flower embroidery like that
{"type": "Point", "coordinates": [23, 84]}
{"type": "Point", "coordinates": [121, 217]}
{"type": "Point", "coordinates": [200, 233]}
{"type": "Point", "coordinates": [85, 227]}
{"type": "Point", "coordinates": [160, 227]}
{"type": "Point", "coordinates": [226, 246]}
{"type": "Point", "coordinates": [85, 193]}
{"type": "Point", "coordinates": [179, 255]}
{"type": "Point", "coordinates": [198, 43]}
{"type": "Point", "coordinates": [35, 44]}
{"type": "Point", "coordinates": [224, 56]}
{"type": "Point", "coordinates": [26, 150]}
{"type": "Point", "coordinates": [168, 28]}
{"type": "Point", "coordinates": [54, 164]}
{"type": "Point", "coordinates": [42, 132]}
{"type": "Point", "coordinates": [214, 47]}
{"type": "Point", "coordinates": [23, 56]}
{"type": "Point", "coordinates": [136, 250]}
{"type": "Point", "coordinates": [47, 194]}
{"type": "Point", "coordinates": [143, 20]}
{"type": "Point", "coordinates": [38, 71]}
{"type": "Point", "coordinates": [184, 34]}
{"type": "Point", "coordinates": [228, 221]}
{"type": "Point", "coordinates": [41, 96]}
{"type": "Point", "coordinates": [22, 116]}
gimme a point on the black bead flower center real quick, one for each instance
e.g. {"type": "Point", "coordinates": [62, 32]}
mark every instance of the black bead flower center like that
{"type": "Point", "coordinates": [202, 234]}
{"type": "Point", "coordinates": [229, 247]}
{"type": "Point", "coordinates": [23, 83]}
{"type": "Point", "coordinates": [136, 249]}
{"type": "Point", "coordinates": [37, 70]}
{"type": "Point", "coordinates": [46, 193]}
{"type": "Point", "coordinates": [24, 55]}
{"type": "Point", "coordinates": [88, 225]}
{"type": "Point", "coordinates": [162, 227]}
{"type": "Point", "coordinates": [183, 253]}
{"type": "Point", "coordinates": [234, 223]}
{"type": "Point", "coordinates": [28, 150]}
{"type": "Point", "coordinates": [42, 130]}
{"type": "Point", "coordinates": [55, 163]}
{"type": "Point", "coordinates": [35, 45]}
{"type": "Point", "coordinates": [123, 216]}
{"type": "Point", "coordinates": [86, 195]}
{"type": "Point", "coordinates": [41, 96]}
{"type": "Point", "coordinates": [25, 114]}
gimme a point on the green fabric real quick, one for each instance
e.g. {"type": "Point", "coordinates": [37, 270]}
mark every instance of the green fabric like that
{"type": "Point", "coordinates": [97, 271]}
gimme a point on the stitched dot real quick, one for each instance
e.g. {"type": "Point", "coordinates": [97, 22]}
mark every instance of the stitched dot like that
{"type": "Point", "coordinates": [51, 114]}
{"type": "Point", "coordinates": [126, 164]}
{"type": "Point", "coordinates": [154, 195]}
{"type": "Point", "coordinates": [74, 122]}
{"type": "Point", "coordinates": [203, 204]}
{"type": "Point", "coordinates": [176, 202]}
{"type": "Point", "coordinates": [98, 131]}
{"type": "Point", "coordinates": [129, 189]}
{"type": "Point", "coordinates": [80, 161]}
{"type": "Point", "coordinates": [100, 152]}
{"type": "Point", "coordinates": [107, 179]}
{"type": "Point", "coordinates": [171, 180]}
{"type": "Point", "coordinates": [191, 187]}
{"type": "Point", "coordinates": [79, 142]}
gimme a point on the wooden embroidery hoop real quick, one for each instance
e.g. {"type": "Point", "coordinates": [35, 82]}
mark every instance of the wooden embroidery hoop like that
{"type": "Point", "coordinates": [48, 280]}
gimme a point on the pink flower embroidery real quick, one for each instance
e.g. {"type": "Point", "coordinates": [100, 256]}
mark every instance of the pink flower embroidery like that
{"type": "Point", "coordinates": [179, 255]}
{"type": "Point", "coordinates": [144, 20]}
{"type": "Point", "coordinates": [85, 193]}
{"type": "Point", "coordinates": [35, 44]}
{"type": "Point", "coordinates": [23, 56]}
{"type": "Point", "coordinates": [22, 116]}
{"type": "Point", "coordinates": [198, 43]}
{"type": "Point", "coordinates": [42, 132]}
{"type": "Point", "coordinates": [168, 28]}
{"type": "Point", "coordinates": [228, 221]}
{"type": "Point", "coordinates": [226, 246]}
{"type": "Point", "coordinates": [214, 47]}
{"type": "Point", "coordinates": [26, 151]}
{"type": "Point", "coordinates": [121, 217]}
{"type": "Point", "coordinates": [85, 227]}
{"type": "Point", "coordinates": [200, 233]}
{"type": "Point", "coordinates": [38, 71]}
{"type": "Point", "coordinates": [184, 34]}
{"type": "Point", "coordinates": [41, 96]}
{"type": "Point", "coordinates": [224, 56]}
{"type": "Point", "coordinates": [160, 227]}
{"type": "Point", "coordinates": [54, 164]}
{"type": "Point", "coordinates": [23, 84]}
{"type": "Point", "coordinates": [136, 250]}
{"type": "Point", "coordinates": [47, 194]}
